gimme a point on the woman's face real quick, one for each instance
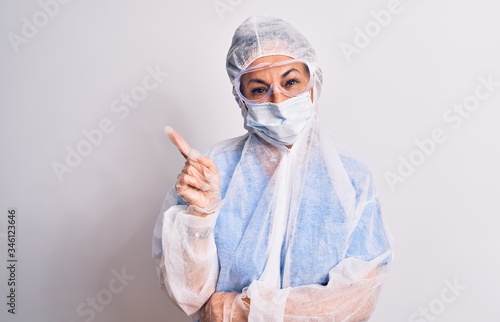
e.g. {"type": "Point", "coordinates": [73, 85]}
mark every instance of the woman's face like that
{"type": "Point", "coordinates": [256, 84]}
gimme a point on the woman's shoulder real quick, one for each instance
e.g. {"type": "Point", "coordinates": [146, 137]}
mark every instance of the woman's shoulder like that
{"type": "Point", "coordinates": [357, 170]}
{"type": "Point", "coordinates": [228, 148]}
{"type": "Point", "coordinates": [227, 153]}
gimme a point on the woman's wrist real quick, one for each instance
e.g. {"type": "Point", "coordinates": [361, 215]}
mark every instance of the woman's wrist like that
{"type": "Point", "coordinates": [205, 211]}
{"type": "Point", "coordinates": [197, 212]}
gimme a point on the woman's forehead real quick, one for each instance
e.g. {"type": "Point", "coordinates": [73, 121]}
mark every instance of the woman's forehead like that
{"type": "Point", "coordinates": [270, 59]}
{"type": "Point", "coordinates": [277, 71]}
{"type": "Point", "coordinates": [278, 66]}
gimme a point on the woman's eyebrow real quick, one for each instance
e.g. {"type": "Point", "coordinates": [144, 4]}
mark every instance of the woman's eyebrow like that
{"type": "Point", "coordinates": [285, 74]}
{"type": "Point", "coordinates": [256, 80]}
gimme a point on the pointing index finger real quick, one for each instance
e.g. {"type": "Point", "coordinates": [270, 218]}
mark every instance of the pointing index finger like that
{"type": "Point", "coordinates": [178, 141]}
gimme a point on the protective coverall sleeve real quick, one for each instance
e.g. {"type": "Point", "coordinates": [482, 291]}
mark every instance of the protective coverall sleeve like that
{"type": "Point", "coordinates": [344, 298]}
{"type": "Point", "coordinates": [188, 266]}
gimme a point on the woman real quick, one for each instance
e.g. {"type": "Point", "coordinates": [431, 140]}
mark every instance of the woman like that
{"type": "Point", "coordinates": [274, 225]}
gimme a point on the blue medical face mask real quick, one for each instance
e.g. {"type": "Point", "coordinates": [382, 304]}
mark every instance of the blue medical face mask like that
{"type": "Point", "coordinates": [281, 122]}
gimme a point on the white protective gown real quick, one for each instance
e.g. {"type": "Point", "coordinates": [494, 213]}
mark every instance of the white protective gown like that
{"type": "Point", "coordinates": [299, 232]}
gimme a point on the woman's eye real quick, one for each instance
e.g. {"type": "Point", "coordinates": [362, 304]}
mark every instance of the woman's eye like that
{"type": "Point", "coordinates": [258, 91]}
{"type": "Point", "coordinates": [292, 82]}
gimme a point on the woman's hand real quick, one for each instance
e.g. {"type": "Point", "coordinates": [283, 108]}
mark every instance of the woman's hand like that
{"type": "Point", "coordinates": [199, 182]}
{"type": "Point", "coordinates": [223, 306]}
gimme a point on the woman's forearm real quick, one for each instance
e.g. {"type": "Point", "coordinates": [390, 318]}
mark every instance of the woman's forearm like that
{"type": "Point", "coordinates": [189, 264]}
{"type": "Point", "coordinates": [342, 299]}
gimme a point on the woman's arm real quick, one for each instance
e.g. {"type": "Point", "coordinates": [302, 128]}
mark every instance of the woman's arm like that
{"type": "Point", "coordinates": [184, 239]}
{"type": "Point", "coordinates": [188, 266]}
{"type": "Point", "coordinates": [342, 299]}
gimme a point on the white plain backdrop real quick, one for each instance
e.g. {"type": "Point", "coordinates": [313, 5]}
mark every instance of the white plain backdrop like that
{"type": "Point", "coordinates": [65, 71]}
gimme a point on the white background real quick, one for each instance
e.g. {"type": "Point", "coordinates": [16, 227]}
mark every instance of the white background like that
{"type": "Point", "coordinates": [72, 234]}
